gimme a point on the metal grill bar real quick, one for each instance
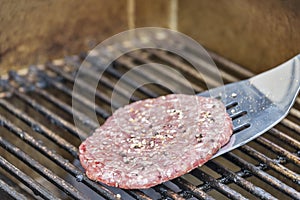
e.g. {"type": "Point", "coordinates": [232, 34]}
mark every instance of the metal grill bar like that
{"type": "Point", "coordinates": [279, 150]}
{"type": "Point", "coordinates": [190, 71]}
{"type": "Point", "coordinates": [128, 62]}
{"type": "Point", "coordinates": [57, 101]}
{"type": "Point", "coordinates": [60, 104]}
{"type": "Point", "coordinates": [26, 180]}
{"type": "Point", "coordinates": [80, 116]}
{"type": "Point", "coordinates": [287, 139]}
{"type": "Point", "coordinates": [298, 101]}
{"type": "Point", "coordinates": [224, 189]}
{"type": "Point", "coordinates": [291, 125]}
{"type": "Point", "coordinates": [166, 192]}
{"type": "Point", "coordinates": [263, 175]}
{"type": "Point", "coordinates": [39, 127]}
{"type": "Point", "coordinates": [272, 164]}
{"type": "Point", "coordinates": [55, 119]}
{"type": "Point", "coordinates": [118, 75]}
{"type": "Point", "coordinates": [11, 191]}
{"type": "Point", "coordinates": [230, 66]}
{"type": "Point", "coordinates": [85, 101]}
{"type": "Point", "coordinates": [45, 172]}
{"type": "Point", "coordinates": [174, 60]}
{"type": "Point", "coordinates": [259, 192]}
{"type": "Point", "coordinates": [138, 195]}
{"type": "Point", "coordinates": [190, 188]}
{"type": "Point", "coordinates": [63, 163]}
{"type": "Point", "coordinates": [295, 113]}
{"type": "Point", "coordinates": [104, 81]}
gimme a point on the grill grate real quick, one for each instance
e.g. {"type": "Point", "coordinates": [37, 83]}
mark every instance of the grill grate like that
{"type": "Point", "coordinates": [37, 129]}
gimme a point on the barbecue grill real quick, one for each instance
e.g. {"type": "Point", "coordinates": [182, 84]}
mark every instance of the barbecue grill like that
{"type": "Point", "coordinates": [39, 141]}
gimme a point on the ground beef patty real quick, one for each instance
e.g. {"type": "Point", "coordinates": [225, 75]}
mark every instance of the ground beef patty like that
{"type": "Point", "coordinates": [155, 140]}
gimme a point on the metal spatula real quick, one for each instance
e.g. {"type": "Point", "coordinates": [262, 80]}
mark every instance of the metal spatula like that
{"type": "Point", "coordinates": [259, 103]}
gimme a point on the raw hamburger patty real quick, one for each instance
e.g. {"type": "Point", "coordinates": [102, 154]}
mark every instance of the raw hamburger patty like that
{"type": "Point", "coordinates": [152, 141]}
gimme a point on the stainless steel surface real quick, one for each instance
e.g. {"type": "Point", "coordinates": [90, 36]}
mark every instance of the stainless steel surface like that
{"type": "Point", "coordinates": [259, 103]}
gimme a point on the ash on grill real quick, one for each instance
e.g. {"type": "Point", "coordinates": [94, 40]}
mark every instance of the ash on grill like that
{"type": "Point", "coordinates": [39, 142]}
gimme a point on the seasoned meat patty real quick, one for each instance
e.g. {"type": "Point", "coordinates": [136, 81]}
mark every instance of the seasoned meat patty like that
{"type": "Point", "coordinates": [154, 140]}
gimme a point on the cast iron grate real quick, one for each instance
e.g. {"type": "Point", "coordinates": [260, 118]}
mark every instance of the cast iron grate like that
{"type": "Point", "coordinates": [39, 142]}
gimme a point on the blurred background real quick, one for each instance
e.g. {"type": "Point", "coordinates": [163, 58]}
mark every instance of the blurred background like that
{"type": "Point", "coordinates": [255, 34]}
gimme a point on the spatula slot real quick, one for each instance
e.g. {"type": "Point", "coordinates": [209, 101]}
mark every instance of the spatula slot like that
{"type": "Point", "coordinates": [238, 114]}
{"type": "Point", "coordinates": [231, 105]}
{"type": "Point", "coordinates": [241, 128]}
